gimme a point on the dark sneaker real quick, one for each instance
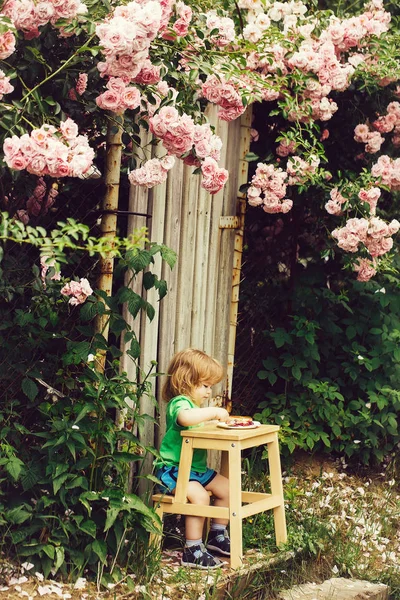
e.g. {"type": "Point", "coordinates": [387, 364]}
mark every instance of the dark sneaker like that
{"type": "Point", "coordinates": [197, 557]}
{"type": "Point", "coordinates": [219, 542]}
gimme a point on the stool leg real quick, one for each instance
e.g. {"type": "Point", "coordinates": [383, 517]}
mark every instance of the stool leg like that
{"type": "Point", "coordinates": [185, 464]}
{"type": "Point", "coordinates": [155, 538]}
{"type": "Point", "coordinates": [277, 490]}
{"type": "Point", "coordinates": [235, 505]}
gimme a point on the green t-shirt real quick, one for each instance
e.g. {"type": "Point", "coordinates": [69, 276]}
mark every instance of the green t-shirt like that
{"type": "Point", "coordinates": [171, 444]}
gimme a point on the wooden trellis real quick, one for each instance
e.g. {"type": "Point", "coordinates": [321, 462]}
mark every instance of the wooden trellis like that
{"type": "Point", "coordinates": [200, 309]}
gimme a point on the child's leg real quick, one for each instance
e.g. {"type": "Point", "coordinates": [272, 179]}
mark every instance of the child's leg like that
{"type": "Point", "coordinates": [219, 487]}
{"type": "Point", "coordinates": [218, 539]}
{"type": "Point", "coordinates": [196, 494]}
{"type": "Point", "coordinates": [194, 553]}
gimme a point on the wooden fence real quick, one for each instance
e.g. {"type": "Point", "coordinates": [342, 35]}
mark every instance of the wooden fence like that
{"type": "Point", "coordinates": [200, 309]}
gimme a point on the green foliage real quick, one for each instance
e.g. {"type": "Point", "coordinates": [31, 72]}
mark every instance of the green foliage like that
{"type": "Point", "coordinates": [69, 433]}
{"type": "Point", "coordinates": [64, 503]}
{"type": "Point", "coordinates": [332, 370]}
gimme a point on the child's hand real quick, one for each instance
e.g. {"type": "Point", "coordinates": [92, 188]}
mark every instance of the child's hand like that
{"type": "Point", "coordinates": [221, 414]}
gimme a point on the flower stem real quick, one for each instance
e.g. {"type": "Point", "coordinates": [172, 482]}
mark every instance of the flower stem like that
{"type": "Point", "coordinates": [67, 62]}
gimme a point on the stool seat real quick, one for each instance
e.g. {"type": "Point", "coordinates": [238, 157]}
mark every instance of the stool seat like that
{"type": "Point", "coordinates": [242, 503]}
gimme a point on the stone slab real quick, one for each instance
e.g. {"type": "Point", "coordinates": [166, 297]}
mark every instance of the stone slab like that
{"type": "Point", "coordinates": [337, 588]}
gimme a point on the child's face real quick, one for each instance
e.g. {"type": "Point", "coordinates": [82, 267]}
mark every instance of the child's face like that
{"type": "Point", "coordinates": [201, 393]}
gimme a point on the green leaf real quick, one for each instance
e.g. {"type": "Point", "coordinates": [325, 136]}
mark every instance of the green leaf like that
{"type": "Point", "coordinates": [162, 288]}
{"type": "Point", "coordinates": [23, 533]}
{"type": "Point", "coordinates": [134, 349]}
{"type": "Point", "coordinates": [135, 303]}
{"type": "Point", "coordinates": [140, 260]}
{"type": "Point", "coordinates": [168, 255]}
{"type": "Point", "coordinates": [79, 481]}
{"type": "Point", "coordinates": [250, 157]}
{"type": "Point", "coordinates": [262, 374]}
{"type": "Point", "coordinates": [310, 442]}
{"type": "Point", "coordinates": [150, 310]}
{"type": "Point", "coordinates": [58, 481]}
{"type": "Point", "coordinates": [29, 388]}
{"type": "Point", "coordinates": [99, 547]}
{"type": "Point", "coordinates": [89, 310]}
{"type": "Point", "coordinates": [89, 527]}
{"type": "Point", "coordinates": [49, 550]}
{"type": "Point", "coordinates": [272, 378]}
{"type": "Point", "coordinates": [148, 280]}
{"type": "Point", "coordinates": [17, 515]}
{"type": "Point", "coordinates": [351, 332]}
{"type": "Point", "coordinates": [296, 372]}
{"type": "Point", "coordinates": [13, 467]}
{"type": "Point", "coordinates": [60, 557]}
{"type": "Point", "coordinates": [126, 457]}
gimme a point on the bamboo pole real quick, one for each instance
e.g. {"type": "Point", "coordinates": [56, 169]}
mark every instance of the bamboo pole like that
{"type": "Point", "coordinates": [243, 168]}
{"type": "Point", "coordinates": [108, 224]}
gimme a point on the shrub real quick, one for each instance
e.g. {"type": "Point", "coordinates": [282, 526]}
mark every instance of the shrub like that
{"type": "Point", "coordinates": [332, 370]}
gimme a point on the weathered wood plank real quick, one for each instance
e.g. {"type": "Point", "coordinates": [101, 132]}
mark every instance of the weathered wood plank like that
{"type": "Point", "coordinates": [168, 310]}
{"type": "Point", "coordinates": [200, 309]}
{"type": "Point", "coordinates": [184, 301]}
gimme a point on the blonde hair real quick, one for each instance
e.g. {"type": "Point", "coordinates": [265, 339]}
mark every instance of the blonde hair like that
{"type": "Point", "coordinates": [187, 370]}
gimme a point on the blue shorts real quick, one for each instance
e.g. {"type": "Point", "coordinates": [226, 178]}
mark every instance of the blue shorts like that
{"type": "Point", "coordinates": [169, 476]}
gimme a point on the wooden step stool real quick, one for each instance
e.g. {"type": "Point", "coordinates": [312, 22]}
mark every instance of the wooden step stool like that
{"type": "Point", "coordinates": [242, 504]}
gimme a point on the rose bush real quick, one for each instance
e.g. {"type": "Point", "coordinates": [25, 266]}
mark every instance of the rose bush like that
{"type": "Point", "coordinates": [67, 71]}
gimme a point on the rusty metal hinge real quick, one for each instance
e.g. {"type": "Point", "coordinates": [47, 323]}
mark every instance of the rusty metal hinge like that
{"type": "Point", "coordinates": [229, 222]}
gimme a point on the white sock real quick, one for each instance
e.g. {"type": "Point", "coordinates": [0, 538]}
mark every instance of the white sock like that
{"type": "Point", "coordinates": [190, 543]}
{"type": "Point", "coordinates": [218, 527]}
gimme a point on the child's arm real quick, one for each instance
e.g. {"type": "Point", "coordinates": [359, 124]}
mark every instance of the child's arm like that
{"type": "Point", "coordinates": [193, 416]}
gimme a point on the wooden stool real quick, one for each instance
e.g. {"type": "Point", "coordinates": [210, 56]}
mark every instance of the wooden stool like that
{"type": "Point", "coordinates": [242, 504]}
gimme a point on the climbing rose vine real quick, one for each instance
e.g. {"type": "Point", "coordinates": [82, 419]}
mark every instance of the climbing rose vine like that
{"type": "Point", "coordinates": [48, 151]}
{"type": "Point", "coordinates": [158, 63]}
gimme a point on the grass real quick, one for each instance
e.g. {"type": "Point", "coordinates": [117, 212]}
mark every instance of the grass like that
{"type": "Point", "coordinates": [341, 523]}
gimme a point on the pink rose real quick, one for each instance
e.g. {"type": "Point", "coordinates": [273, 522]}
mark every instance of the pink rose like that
{"type": "Point", "coordinates": [18, 162]}
{"type": "Point", "coordinates": [181, 28]}
{"type": "Point", "coordinates": [393, 226]}
{"type": "Point", "coordinates": [11, 146]}
{"type": "Point", "coordinates": [209, 167]}
{"type": "Point", "coordinates": [110, 100]}
{"type": "Point", "coordinates": [38, 165]}
{"type": "Point", "coordinates": [216, 182]}
{"type": "Point", "coordinates": [131, 98]}
{"type": "Point", "coordinates": [69, 129]}
{"type": "Point", "coordinates": [365, 269]}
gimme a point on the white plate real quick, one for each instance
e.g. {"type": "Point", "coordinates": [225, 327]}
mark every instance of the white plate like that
{"type": "Point", "coordinates": [239, 427]}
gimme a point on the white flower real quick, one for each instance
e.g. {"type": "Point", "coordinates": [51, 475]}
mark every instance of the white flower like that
{"type": "Point", "coordinates": [335, 570]}
{"type": "Point", "coordinates": [75, 427]}
{"type": "Point", "coordinates": [381, 291]}
{"type": "Point", "coordinates": [368, 405]}
{"type": "Point", "coordinates": [27, 566]}
{"type": "Point", "coordinates": [360, 357]}
{"type": "Point", "coordinates": [90, 358]}
{"type": "Point", "coordinates": [357, 441]}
